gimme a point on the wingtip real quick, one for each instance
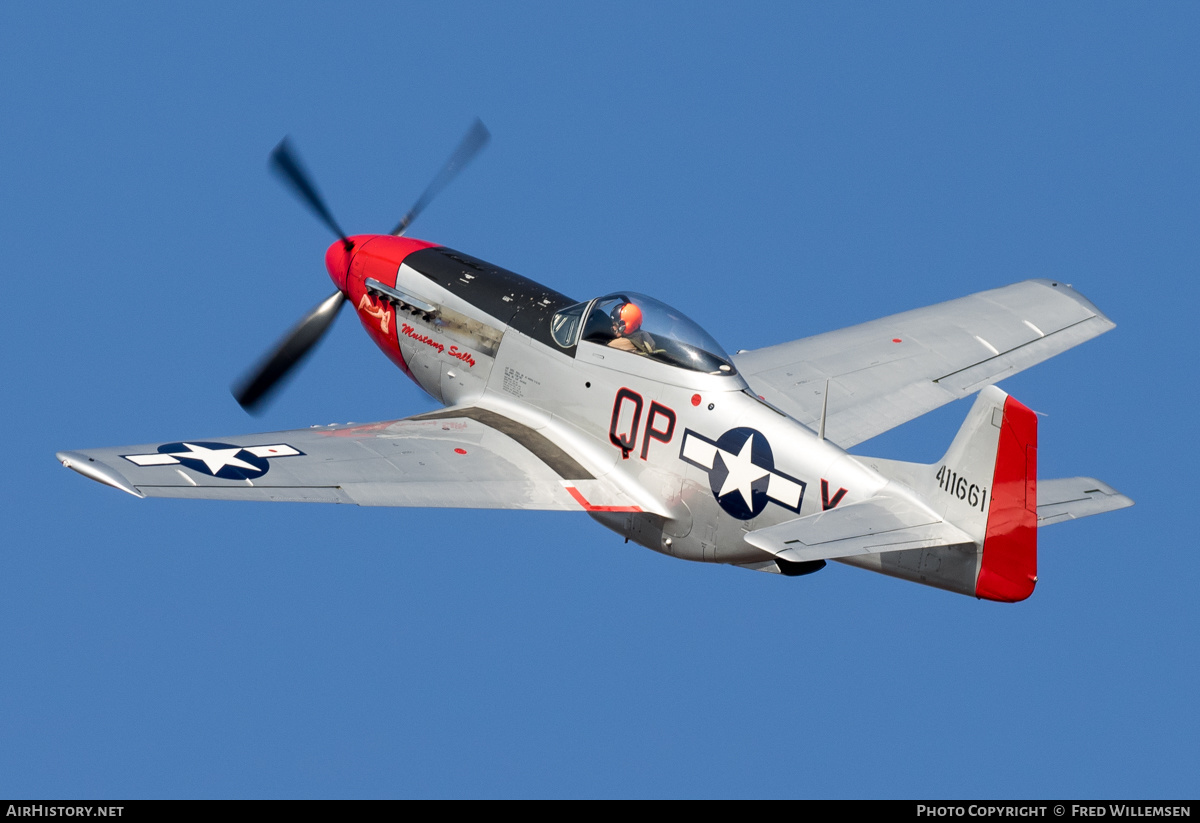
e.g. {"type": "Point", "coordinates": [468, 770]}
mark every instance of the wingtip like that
{"type": "Point", "coordinates": [101, 473]}
{"type": "Point", "coordinates": [1074, 294]}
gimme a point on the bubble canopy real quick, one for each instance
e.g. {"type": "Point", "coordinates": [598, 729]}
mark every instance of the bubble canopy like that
{"type": "Point", "coordinates": [641, 325]}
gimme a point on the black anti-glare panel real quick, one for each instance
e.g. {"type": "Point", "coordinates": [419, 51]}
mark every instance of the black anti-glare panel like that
{"type": "Point", "coordinates": [523, 304]}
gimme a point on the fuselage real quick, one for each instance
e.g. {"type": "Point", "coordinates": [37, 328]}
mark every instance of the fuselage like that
{"type": "Point", "coordinates": [702, 457]}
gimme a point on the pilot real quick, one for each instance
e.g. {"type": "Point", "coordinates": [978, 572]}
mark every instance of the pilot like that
{"type": "Point", "coordinates": [627, 330]}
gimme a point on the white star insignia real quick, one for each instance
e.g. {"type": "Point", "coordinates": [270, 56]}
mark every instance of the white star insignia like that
{"type": "Point", "coordinates": [742, 472]}
{"type": "Point", "coordinates": [216, 459]}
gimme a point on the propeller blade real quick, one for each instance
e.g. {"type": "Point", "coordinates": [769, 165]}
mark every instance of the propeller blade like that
{"type": "Point", "coordinates": [287, 353]}
{"type": "Point", "coordinates": [287, 165]}
{"type": "Point", "coordinates": [475, 139]}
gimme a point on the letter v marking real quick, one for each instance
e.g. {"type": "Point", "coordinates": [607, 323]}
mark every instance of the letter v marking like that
{"type": "Point", "coordinates": [826, 503]}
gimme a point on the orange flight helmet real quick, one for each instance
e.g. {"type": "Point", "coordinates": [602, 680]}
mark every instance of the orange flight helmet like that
{"type": "Point", "coordinates": [626, 318]}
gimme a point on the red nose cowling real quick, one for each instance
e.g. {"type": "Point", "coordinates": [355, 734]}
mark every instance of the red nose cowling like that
{"type": "Point", "coordinates": [385, 256]}
{"type": "Point", "coordinates": [337, 262]}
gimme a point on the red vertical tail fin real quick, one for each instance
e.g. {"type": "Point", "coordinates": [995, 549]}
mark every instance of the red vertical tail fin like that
{"type": "Point", "coordinates": [1008, 567]}
{"type": "Point", "coordinates": [986, 486]}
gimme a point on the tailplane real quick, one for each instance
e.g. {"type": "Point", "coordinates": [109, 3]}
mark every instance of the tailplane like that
{"type": "Point", "coordinates": [986, 485]}
{"type": "Point", "coordinates": [967, 523]}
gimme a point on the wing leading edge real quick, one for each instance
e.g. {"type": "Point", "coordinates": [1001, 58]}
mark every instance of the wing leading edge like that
{"type": "Point", "coordinates": [459, 458]}
{"type": "Point", "coordinates": [886, 372]}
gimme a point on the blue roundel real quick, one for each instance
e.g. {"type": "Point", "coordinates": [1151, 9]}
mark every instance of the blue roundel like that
{"type": "Point", "coordinates": [222, 460]}
{"type": "Point", "coordinates": [741, 472]}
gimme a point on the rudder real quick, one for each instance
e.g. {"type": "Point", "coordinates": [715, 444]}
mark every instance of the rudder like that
{"type": "Point", "coordinates": [1008, 568]}
{"type": "Point", "coordinates": [986, 485]}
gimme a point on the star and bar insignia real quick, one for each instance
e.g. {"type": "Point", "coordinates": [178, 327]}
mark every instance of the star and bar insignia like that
{"type": "Point", "coordinates": [222, 460]}
{"type": "Point", "coordinates": [741, 472]}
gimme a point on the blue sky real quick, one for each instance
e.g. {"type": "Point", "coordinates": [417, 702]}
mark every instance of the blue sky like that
{"type": "Point", "coordinates": [774, 172]}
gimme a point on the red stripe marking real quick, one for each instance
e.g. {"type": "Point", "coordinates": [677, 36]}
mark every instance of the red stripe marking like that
{"type": "Point", "coordinates": [1008, 570]}
{"type": "Point", "coordinates": [581, 500]}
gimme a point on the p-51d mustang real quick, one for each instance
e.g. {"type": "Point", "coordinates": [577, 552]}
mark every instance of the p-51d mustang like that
{"type": "Point", "coordinates": [623, 408]}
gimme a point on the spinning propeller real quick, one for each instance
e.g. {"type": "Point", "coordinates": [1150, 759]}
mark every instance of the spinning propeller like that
{"type": "Point", "coordinates": [296, 344]}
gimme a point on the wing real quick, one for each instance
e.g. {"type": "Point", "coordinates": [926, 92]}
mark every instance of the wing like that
{"type": "Point", "coordinates": [886, 372]}
{"type": "Point", "coordinates": [459, 458]}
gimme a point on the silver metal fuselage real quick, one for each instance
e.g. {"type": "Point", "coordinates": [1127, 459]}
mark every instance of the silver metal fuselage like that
{"type": "Point", "coordinates": [580, 398]}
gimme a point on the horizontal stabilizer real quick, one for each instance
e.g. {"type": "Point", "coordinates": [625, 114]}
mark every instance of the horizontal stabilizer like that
{"type": "Point", "coordinates": [884, 523]}
{"type": "Point", "coordinates": [1069, 498]}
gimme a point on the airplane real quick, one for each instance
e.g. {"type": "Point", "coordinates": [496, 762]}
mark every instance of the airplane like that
{"type": "Point", "coordinates": [623, 408]}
